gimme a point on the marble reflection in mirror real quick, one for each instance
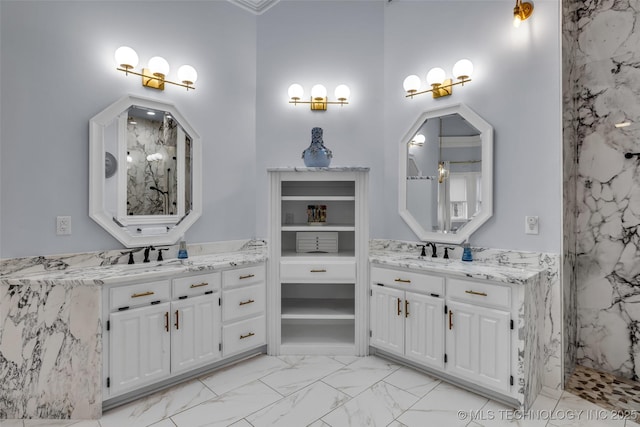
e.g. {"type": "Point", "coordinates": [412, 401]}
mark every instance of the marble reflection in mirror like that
{"type": "Point", "coordinates": [446, 157]}
{"type": "Point", "coordinates": [154, 195]}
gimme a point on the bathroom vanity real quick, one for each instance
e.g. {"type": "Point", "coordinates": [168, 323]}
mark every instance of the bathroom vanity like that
{"type": "Point", "coordinates": [477, 325]}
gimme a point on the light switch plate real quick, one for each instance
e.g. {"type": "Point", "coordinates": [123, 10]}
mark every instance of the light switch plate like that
{"type": "Point", "coordinates": [531, 225]}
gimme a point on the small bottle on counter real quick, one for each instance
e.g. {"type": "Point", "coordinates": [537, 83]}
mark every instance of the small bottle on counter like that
{"type": "Point", "coordinates": [466, 252]}
{"type": "Point", "coordinates": [182, 252]}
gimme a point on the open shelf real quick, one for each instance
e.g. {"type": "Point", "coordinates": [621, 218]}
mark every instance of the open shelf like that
{"type": "Point", "coordinates": [318, 198]}
{"type": "Point", "coordinates": [328, 227]}
{"type": "Point", "coordinates": [318, 308]}
{"type": "Point", "coordinates": [315, 255]}
{"type": "Point", "coordinates": [317, 337]}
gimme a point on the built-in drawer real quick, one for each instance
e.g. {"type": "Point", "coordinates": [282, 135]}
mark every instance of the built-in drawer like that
{"type": "Point", "coordinates": [299, 271]}
{"type": "Point", "coordinates": [242, 302]}
{"type": "Point", "coordinates": [243, 276]}
{"type": "Point", "coordinates": [196, 285]}
{"type": "Point", "coordinates": [243, 335]}
{"type": "Point", "coordinates": [408, 280]}
{"type": "Point", "coordinates": [483, 293]}
{"type": "Point", "coordinates": [139, 294]}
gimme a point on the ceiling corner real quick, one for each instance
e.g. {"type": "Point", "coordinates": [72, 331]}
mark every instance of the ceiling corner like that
{"type": "Point", "coordinates": [255, 6]}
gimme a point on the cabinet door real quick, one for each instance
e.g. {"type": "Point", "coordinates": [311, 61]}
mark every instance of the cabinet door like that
{"type": "Point", "coordinates": [139, 347]}
{"type": "Point", "coordinates": [387, 319]}
{"type": "Point", "coordinates": [424, 329]}
{"type": "Point", "coordinates": [195, 332]}
{"type": "Point", "coordinates": [478, 345]}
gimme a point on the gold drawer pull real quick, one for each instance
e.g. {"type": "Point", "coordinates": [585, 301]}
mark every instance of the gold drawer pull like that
{"type": "Point", "coordinates": [450, 319]}
{"type": "Point", "coordinates": [177, 319]}
{"type": "Point", "coordinates": [199, 285]}
{"type": "Point", "coordinates": [250, 334]}
{"type": "Point", "coordinates": [403, 280]}
{"type": "Point", "coordinates": [249, 301]}
{"type": "Point", "coordinates": [482, 294]}
{"type": "Point", "coordinates": [399, 309]}
{"type": "Point", "coordinates": [144, 294]}
{"type": "Point", "coordinates": [166, 321]}
{"type": "Point", "coordinates": [319, 271]}
{"type": "Point", "coordinates": [406, 308]}
{"type": "Point", "coordinates": [248, 276]}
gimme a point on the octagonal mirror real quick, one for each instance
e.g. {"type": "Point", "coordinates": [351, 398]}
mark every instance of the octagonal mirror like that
{"type": "Point", "coordinates": [144, 172]}
{"type": "Point", "coordinates": [446, 174]}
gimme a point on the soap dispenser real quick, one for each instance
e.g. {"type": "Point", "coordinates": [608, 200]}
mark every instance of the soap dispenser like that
{"type": "Point", "coordinates": [466, 252]}
{"type": "Point", "coordinates": [182, 252]}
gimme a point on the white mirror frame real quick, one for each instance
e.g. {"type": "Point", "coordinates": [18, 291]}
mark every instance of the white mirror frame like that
{"type": "Point", "coordinates": [486, 211]}
{"type": "Point", "coordinates": [97, 211]}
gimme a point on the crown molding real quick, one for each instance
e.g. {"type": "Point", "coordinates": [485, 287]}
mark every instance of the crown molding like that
{"type": "Point", "coordinates": [255, 6]}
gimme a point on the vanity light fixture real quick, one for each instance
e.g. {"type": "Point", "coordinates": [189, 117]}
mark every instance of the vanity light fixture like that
{"type": "Point", "coordinates": [418, 140]}
{"type": "Point", "coordinates": [522, 11]}
{"type": "Point", "coordinates": [437, 79]}
{"type": "Point", "coordinates": [319, 99]}
{"type": "Point", "coordinates": [158, 69]}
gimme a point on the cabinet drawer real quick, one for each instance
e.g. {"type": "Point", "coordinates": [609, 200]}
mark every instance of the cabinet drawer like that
{"type": "Point", "coordinates": [408, 280]}
{"type": "Point", "coordinates": [242, 302]}
{"type": "Point", "coordinates": [243, 335]}
{"type": "Point", "coordinates": [243, 276]}
{"type": "Point", "coordinates": [196, 285]}
{"type": "Point", "coordinates": [479, 292]}
{"type": "Point", "coordinates": [139, 294]}
{"type": "Point", "coordinates": [297, 271]}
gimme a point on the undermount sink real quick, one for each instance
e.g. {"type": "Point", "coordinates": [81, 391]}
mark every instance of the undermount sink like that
{"type": "Point", "coordinates": [428, 259]}
{"type": "Point", "coordinates": [149, 265]}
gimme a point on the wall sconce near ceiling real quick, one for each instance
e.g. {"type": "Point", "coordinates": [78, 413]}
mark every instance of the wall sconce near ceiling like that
{"type": "Point", "coordinates": [437, 79]}
{"type": "Point", "coordinates": [319, 99]}
{"type": "Point", "coordinates": [158, 69]}
{"type": "Point", "coordinates": [522, 11]}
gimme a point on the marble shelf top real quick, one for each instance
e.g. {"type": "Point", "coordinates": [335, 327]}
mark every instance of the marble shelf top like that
{"type": "Point", "coordinates": [328, 169]}
{"type": "Point", "coordinates": [117, 273]}
{"type": "Point", "coordinates": [454, 267]}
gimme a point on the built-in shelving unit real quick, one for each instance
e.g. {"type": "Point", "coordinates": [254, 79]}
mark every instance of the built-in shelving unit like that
{"type": "Point", "coordinates": [318, 290]}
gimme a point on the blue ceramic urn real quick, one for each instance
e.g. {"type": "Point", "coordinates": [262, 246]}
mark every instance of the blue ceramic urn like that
{"type": "Point", "coordinates": [317, 155]}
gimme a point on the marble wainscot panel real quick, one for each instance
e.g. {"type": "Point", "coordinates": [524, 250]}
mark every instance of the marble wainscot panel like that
{"type": "Point", "coordinates": [549, 284]}
{"type": "Point", "coordinates": [608, 187]}
{"type": "Point", "coordinates": [530, 322]}
{"type": "Point", "coordinates": [50, 327]}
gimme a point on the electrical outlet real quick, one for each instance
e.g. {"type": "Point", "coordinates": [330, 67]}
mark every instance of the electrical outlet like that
{"type": "Point", "coordinates": [63, 225]}
{"type": "Point", "coordinates": [531, 225]}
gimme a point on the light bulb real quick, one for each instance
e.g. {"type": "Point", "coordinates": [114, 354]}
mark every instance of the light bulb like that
{"type": "Point", "coordinates": [318, 92]}
{"type": "Point", "coordinates": [158, 66]}
{"type": "Point", "coordinates": [411, 83]}
{"type": "Point", "coordinates": [342, 92]}
{"type": "Point", "coordinates": [126, 57]}
{"type": "Point", "coordinates": [418, 139]}
{"type": "Point", "coordinates": [463, 69]}
{"type": "Point", "coordinates": [187, 75]}
{"type": "Point", "coordinates": [517, 20]}
{"type": "Point", "coordinates": [436, 76]}
{"type": "Point", "coordinates": [295, 92]}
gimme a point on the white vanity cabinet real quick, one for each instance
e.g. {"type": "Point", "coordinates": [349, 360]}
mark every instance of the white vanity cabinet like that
{"type": "Point", "coordinates": [158, 329]}
{"type": "Point", "coordinates": [318, 247]}
{"type": "Point", "coordinates": [478, 333]}
{"type": "Point", "coordinates": [461, 329]}
{"type": "Point", "coordinates": [406, 315]}
{"type": "Point", "coordinates": [243, 309]}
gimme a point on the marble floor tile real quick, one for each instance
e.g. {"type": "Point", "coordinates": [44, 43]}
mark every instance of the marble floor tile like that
{"type": "Point", "coordinates": [319, 423]}
{"type": "Point", "coordinates": [241, 423]}
{"type": "Point", "coordinates": [11, 423]}
{"type": "Point", "coordinates": [242, 373]}
{"type": "Point", "coordinates": [229, 407]}
{"type": "Point", "coordinates": [630, 423]}
{"type": "Point", "coordinates": [577, 412]}
{"type": "Point", "coordinates": [445, 405]}
{"type": "Point", "coordinates": [302, 371]}
{"type": "Point", "coordinates": [54, 423]}
{"type": "Point", "coordinates": [413, 381]}
{"type": "Point", "coordinates": [157, 406]}
{"type": "Point", "coordinates": [375, 407]}
{"type": "Point", "coordinates": [301, 408]}
{"type": "Point", "coordinates": [346, 360]}
{"type": "Point", "coordinates": [396, 423]}
{"type": "Point", "coordinates": [164, 423]}
{"type": "Point", "coordinates": [356, 377]}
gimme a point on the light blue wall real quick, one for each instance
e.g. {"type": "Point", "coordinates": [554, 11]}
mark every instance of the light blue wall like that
{"type": "Point", "coordinates": [57, 72]}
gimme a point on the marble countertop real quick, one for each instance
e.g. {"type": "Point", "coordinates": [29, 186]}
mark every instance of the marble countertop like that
{"type": "Point", "coordinates": [454, 267]}
{"type": "Point", "coordinates": [329, 169]}
{"type": "Point", "coordinates": [117, 273]}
